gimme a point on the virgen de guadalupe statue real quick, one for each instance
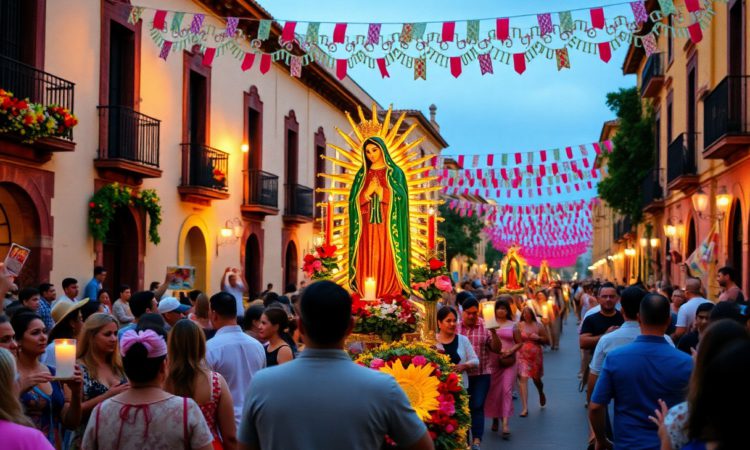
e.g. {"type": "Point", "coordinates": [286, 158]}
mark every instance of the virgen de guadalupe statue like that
{"type": "Point", "coordinates": [513, 269]}
{"type": "Point", "coordinates": [381, 205]}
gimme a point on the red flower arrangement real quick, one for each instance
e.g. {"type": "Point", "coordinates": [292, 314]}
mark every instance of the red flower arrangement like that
{"type": "Point", "coordinates": [390, 317]}
{"type": "Point", "coordinates": [432, 281]}
{"type": "Point", "coordinates": [322, 264]}
{"type": "Point", "coordinates": [33, 121]}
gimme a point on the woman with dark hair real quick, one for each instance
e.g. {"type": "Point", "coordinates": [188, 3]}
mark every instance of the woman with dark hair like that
{"type": "Point", "coordinates": [251, 321]}
{"type": "Point", "coordinates": [530, 357]}
{"type": "Point", "coordinates": [455, 345]}
{"type": "Point", "coordinates": [145, 416]}
{"type": "Point", "coordinates": [7, 335]}
{"type": "Point", "coordinates": [190, 377]}
{"type": "Point", "coordinates": [499, 403]}
{"type": "Point", "coordinates": [273, 322]}
{"type": "Point", "coordinates": [45, 402]}
{"type": "Point", "coordinates": [675, 424]}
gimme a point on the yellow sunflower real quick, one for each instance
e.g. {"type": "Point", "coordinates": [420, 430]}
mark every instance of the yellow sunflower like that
{"type": "Point", "coordinates": [419, 385]}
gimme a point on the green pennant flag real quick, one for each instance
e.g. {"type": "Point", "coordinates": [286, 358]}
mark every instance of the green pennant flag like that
{"type": "Point", "coordinates": [566, 21]}
{"type": "Point", "coordinates": [418, 30]}
{"type": "Point", "coordinates": [667, 7]}
{"type": "Point", "coordinates": [177, 22]}
{"type": "Point", "coordinates": [472, 31]}
{"type": "Point", "coordinates": [505, 159]}
{"type": "Point", "coordinates": [312, 32]}
{"type": "Point", "coordinates": [556, 154]}
{"type": "Point", "coordinates": [264, 29]}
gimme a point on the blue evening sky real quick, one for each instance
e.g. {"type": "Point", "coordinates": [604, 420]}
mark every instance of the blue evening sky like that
{"type": "Point", "coordinates": [504, 112]}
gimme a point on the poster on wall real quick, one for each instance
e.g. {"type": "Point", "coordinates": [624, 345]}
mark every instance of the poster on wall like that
{"type": "Point", "coordinates": [16, 258]}
{"type": "Point", "coordinates": [182, 277]}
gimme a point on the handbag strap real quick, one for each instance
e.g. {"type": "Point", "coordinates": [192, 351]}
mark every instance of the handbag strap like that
{"type": "Point", "coordinates": [185, 423]}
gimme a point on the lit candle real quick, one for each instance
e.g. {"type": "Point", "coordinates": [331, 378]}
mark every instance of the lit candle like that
{"type": "Point", "coordinates": [488, 314]}
{"type": "Point", "coordinates": [431, 229]}
{"type": "Point", "coordinates": [551, 306]}
{"type": "Point", "coordinates": [370, 289]}
{"type": "Point", "coordinates": [544, 312]}
{"type": "Point", "coordinates": [329, 220]}
{"type": "Point", "coordinates": [65, 357]}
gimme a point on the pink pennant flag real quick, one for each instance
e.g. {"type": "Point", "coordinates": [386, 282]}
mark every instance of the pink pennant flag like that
{"type": "Point", "coordinates": [558, 189]}
{"type": "Point", "coordinates": [539, 191]}
{"type": "Point", "coordinates": [519, 62]}
{"type": "Point", "coordinates": [490, 160]}
{"type": "Point", "coordinates": [593, 173]}
{"type": "Point", "coordinates": [383, 68]}
{"type": "Point", "coordinates": [456, 66]}
{"type": "Point", "coordinates": [578, 188]}
{"type": "Point", "coordinates": [504, 173]}
{"type": "Point", "coordinates": [503, 28]}
{"type": "Point", "coordinates": [341, 66]}
{"type": "Point", "coordinates": [460, 160]}
{"type": "Point", "coordinates": [542, 170]}
{"type": "Point", "coordinates": [696, 34]}
{"type": "Point", "coordinates": [693, 5]}
{"type": "Point", "coordinates": [588, 184]}
{"type": "Point", "coordinates": [538, 181]}
{"type": "Point", "coordinates": [586, 163]}
{"type": "Point", "coordinates": [597, 149]}
{"type": "Point", "coordinates": [160, 20]}
{"type": "Point", "coordinates": [597, 17]}
{"type": "Point", "coordinates": [545, 23]}
{"type": "Point", "coordinates": [520, 193]}
{"type": "Point", "coordinates": [569, 152]}
{"type": "Point", "coordinates": [555, 169]}
{"type": "Point", "coordinates": [639, 12]}
{"type": "Point", "coordinates": [295, 67]}
{"type": "Point", "coordinates": [232, 23]}
{"type": "Point", "coordinates": [608, 145]}
{"type": "Point", "coordinates": [649, 44]}
{"type": "Point", "coordinates": [208, 57]}
{"type": "Point", "coordinates": [494, 182]}
{"type": "Point", "coordinates": [248, 61]}
{"type": "Point", "coordinates": [287, 34]}
{"type": "Point", "coordinates": [165, 48]}
{"type": "Point", "coordinates": [449, 29]}
{"type": "Point", "coordinates": [339, 33]}
{"type": "Point", "coordinates": [605, 51]}
{"type": "Point", "coordinates": [373, 33]}
{"type": "Point", "coordinates": [543, 155]}
{"type": "Point", "coordinates": [530, 169]}
{"type": "Point", "coordinates": [265, 63]}
{"type": "Point", "coordinates": [485, 64]}
{"type": "Point", "coordinates": [517, 172]}
{"type": "Point", "coordinates": [518, 158]}
{"type": "Point", "coordinates": [475, 161]}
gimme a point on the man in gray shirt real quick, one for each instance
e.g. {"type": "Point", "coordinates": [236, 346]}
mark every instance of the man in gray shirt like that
{"type": "Point", "coordinates": [322, 400]}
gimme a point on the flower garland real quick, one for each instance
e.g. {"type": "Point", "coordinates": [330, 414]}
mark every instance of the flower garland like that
{"type": "Point", "coordinates": [432, 281]}
{"type": "Point", "coordinates": [322, 264]}
{"type": "Point", "coordinates": [434, 390]}
{"type": "Point", "coordinates": [390, 317]}
{"type": "Point", "coordinates": [33, 121]}
{"type": "Point", "coordinates": [105, 202]}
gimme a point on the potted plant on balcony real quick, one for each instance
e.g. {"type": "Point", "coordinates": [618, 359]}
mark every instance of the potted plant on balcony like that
{"type": "Point", "coordinates": [219, 178]}
{"type": "Point", "coordinates": [31, 121]}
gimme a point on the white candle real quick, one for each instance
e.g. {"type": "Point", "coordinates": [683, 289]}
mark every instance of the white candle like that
{"type": "Point", "coordinates": [544, 312]}
{"type": "Point", "coordinates": [65, 357]}
{"type": "Point", "coordinates": [488, 314]}
{"type": "Point", "coordinates": [370, 289]}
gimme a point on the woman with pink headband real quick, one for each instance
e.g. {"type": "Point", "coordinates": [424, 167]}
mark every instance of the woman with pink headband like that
{"type": "Point", "coordinates": [145, 416]}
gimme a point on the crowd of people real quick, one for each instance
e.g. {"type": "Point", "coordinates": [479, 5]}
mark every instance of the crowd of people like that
{"type": "Point", "coordinates": [216, 372]}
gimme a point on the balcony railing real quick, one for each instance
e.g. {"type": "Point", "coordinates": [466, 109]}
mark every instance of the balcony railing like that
{"type": "Point", "coordinates": [299, 201]}
{"type": "Point", "coordinates": [681, 157]}
{"type": "Point", "coordinates": [726, 110]}
{"type": "Point", "coordinates": [651, 189]}
{"type": "Point", "coordinates": [653, 75]}
{"type": "Point", "coordinates": [206, 167]}
{"type": "Point", "coordinates": [38, 86]}
{"type": "Point", "coordinates": [130, 135]}
{"type": "Point", "coordinates": [263, 189]}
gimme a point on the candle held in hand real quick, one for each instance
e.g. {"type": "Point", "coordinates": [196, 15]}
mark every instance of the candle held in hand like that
{"type": "Point", "coordinates": [65, 357]}
{"type": "Point", "coordinates": [488, 314]}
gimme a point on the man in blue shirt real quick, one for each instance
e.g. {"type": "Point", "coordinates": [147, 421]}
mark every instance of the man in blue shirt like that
{"type": "Point", "coordinates": [322, 400]}
{"type": "Point", "coordinates": [93, 287]}
{"type": "Point", "coordinates": [636, 376]}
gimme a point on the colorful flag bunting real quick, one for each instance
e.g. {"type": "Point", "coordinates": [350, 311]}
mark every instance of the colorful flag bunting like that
{"type": "Point", "coordinates": [485, 63]}
{"type": "Point", "coordinates": [449, 31]}
{"type": "Point", "coordinates": [231, 28]}
{"type": "Point", "coordinates": [373, 33]}
{"type": "Point", "coordinates": [339, 33]}
{"type": "Point", "coordinates": [503, 28]}
{"type": "Point", "coordinates": [197, 23]}
{"type": "Point", "coordinates": [160, 19]}
{"type": "Point", "coordinates": [264, 29]}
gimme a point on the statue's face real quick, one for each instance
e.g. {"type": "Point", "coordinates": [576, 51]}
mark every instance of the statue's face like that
{"type": "Point", "coordinates": [373, 153]}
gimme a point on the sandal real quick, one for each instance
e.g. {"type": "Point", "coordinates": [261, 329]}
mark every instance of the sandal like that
{"type": "Point", "coordinates": [542, 400]}
{"type": "Point", "coordinates": [495, 427]}
{"type": "Point", "coordinates": [506, 435]}
{"type": "Point", "coordinates": [524, 414]}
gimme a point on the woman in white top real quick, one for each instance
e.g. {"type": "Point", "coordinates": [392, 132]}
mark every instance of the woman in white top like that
{"type": "Point", "coordinates": [456, 346]}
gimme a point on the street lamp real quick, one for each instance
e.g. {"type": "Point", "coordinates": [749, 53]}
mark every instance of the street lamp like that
{"type": "Point", "coordinates": [654, 242]}
{"type": "Point", "coordinates": [701, 201]}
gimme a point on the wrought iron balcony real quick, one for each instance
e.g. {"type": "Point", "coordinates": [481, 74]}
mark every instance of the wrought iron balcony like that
{"type": "Point", "coordinates": [128, 144]}
{"type": "Point", "coordinates": [204, 173]}
{"type": "Point", "coordinates": [652, 77]}
{"type": "Point", "coordinates": [651, 191]}
{"type": "Point", "coordinates": [726, 119]}
{"type": "Point", "coordinates": [681, 169]}
{"type": "Point", "coordinates": [261, 194]}
{"type": "Point", "coordinates": [298, 204]}
{"type": "Point", "coordinates": [25, 81]}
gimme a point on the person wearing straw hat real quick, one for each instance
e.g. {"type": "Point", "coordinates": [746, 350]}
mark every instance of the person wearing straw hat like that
{"type": "Point", "coordinates": [68, 324]}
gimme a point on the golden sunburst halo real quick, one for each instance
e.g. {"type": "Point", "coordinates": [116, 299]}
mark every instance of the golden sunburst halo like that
{"type": "Point", "coordinates": [420, 386]}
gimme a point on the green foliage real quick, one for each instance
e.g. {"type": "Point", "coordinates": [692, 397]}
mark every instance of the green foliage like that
{"type": "Point", "coordinates": [492, 256]}
{"type": "Point", "coordinates": [633, 155]}
{"type": "Point", "coordinates": [461, 233]}
{"type": "Point", "coordinates": [105, 202]}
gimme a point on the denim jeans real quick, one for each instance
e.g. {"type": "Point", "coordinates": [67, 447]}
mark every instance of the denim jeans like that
{"type": "Point", "coordinates": [479, 386]}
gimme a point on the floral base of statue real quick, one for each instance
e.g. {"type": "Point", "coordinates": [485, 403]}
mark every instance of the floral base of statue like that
{"type": "Point", "coordinates": [389, 319]}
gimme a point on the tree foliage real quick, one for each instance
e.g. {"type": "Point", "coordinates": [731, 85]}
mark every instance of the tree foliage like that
{"type": "Point", "coordinates": [633, 155]}
{"type": "Point", "coordinates": [462, 234]}
{"type": "Point", "coordinates": [492, 256]}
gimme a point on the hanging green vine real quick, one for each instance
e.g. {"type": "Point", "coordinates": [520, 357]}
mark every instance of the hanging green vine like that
{"type": "Point", "coordinates": [104, 204]}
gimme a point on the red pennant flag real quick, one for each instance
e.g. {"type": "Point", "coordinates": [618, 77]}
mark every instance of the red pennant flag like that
{"type": "Point", "coordinates": [558, 189]}
{"type": "Point", "coordinates": [588, 183]}
{"type": "Point", "coordinates": [461, 160]}
{"type": "Point", "coordinates": [693, 5]}
{"type": "Point", "coordinates": [569, 152]}
{"type": "Point", "coordinates": [520, 193]}
{"type": "Point", "coordinates": [519, 62]}
{"type": "Point", "coordinates": [504, 173]}
{"type": "Point", "coordinates": [160, 19]}
{"type": "Point", "coordinates": [696, 34]}
{"type": "Point", "coordinates": [248, 61]}
{"type": "Point", "coordinates": [208, 56]}
{"type": "Point", "coordinates": [554, 168]}
{"type": "Point", "coordinates": [543, 155]}
{"type": "Point", "coordinates": [597, 149]}
{"type": "Point", "coordinates": [542, 170]}
{"type": "Point", "coordinates": [518, 158]}
{"type": "Point", "coordinates": [530, 169]}
{"type": "Point", "coordinates": [538, 181]}
{"type": "Point", "coordinates": [341, 66]}
{"type": "Point", "coordinates": [456, 66]}
{"type": "Point", "coordinates": [517, 172]}
{"type": "Point", "coordinates": [597, 17]}
{"type": "Point", "coordinates": [339, 33]}
{"type": "Point", "coordinates": [605, 51]}
{"type": "Point", "coordinates": [586, 163]}
{"type": "Point", "coordinates": [539, 191]}
{"type": "Point", "coordinates": [287, 35]}
{"type": "Point", "coordinates": [490, 160]}
{"type": "Point", "coordinates": [503, 28]}
{"type": "Point", "coordinates": [449, 29]}
{"type": "Point", "coordinates": [265, 63]}
{"type": "Point", "coordinates": [383, 68]}
{"type": "Point", "coordinates": [564, 177]}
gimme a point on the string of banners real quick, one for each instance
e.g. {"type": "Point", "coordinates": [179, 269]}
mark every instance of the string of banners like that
{"type": "Point", "coordinates": [453, 44]}
{"type": "Point", "coordinates": [571, 152]}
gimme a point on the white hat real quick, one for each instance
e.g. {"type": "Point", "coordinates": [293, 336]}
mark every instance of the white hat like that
{"type": "Point", "coordinates": [169, 304]}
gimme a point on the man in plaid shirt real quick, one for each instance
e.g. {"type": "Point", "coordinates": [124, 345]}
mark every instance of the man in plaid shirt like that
{"type": "Point", "coordinates": [472, 326]}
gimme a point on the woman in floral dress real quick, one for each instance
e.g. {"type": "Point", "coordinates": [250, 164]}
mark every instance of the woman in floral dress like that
{"type": "Point", "coordinates": [530, 357]}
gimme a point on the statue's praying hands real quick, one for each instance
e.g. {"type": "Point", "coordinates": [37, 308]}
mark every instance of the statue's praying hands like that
{"type": "Point", "coordinates": [374, 188]}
